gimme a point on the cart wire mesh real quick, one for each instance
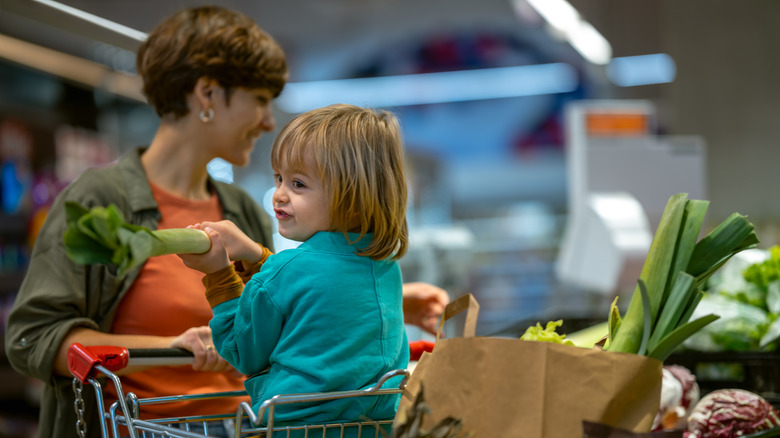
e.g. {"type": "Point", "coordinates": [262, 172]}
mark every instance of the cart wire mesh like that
{"type": "Point", "coordinates": [124, 417]}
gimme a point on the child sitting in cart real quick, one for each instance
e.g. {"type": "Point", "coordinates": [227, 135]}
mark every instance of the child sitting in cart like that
{"type": "Point", "coordinates": [327, 315]}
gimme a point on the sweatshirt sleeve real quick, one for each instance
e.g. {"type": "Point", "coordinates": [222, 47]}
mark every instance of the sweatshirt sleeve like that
{"type": "Point", "coordinates": [246, 330]}
{"type": "Point", "coordinates": [223, 285]}
{"type": "Point", "coordinates": [246, 271]}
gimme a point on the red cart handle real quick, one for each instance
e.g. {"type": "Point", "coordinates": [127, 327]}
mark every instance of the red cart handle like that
{"type": "Point", "coordinates": [417, 348]}
{"type": "Point", "coordinates": [82, 360]}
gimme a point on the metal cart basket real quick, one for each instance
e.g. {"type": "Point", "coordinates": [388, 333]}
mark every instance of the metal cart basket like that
{"type": "Point", "coordinates": [125, 416]}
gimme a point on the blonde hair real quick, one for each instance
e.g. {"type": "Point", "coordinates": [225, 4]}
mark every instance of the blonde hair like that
{"type": "Point", "coordinates": [358, 156]}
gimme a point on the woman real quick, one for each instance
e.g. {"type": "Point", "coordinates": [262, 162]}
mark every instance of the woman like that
{"type": "Point", "coordinates": [211, 75]}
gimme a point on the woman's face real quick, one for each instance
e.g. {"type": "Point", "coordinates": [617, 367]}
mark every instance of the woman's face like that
{"type": "Point", "coordinates": [241, 122]}
{"type": "Point", "coordinates": [301, 205]}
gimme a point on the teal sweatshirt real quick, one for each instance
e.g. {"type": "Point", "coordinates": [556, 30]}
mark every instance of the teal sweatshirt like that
{"type": "Point", "coordinates": [317, 318]}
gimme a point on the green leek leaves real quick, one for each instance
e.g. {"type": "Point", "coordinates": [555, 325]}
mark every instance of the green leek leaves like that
{"type": "Point", "coordinates": [101, 235]}
{"type": "Point", "coordinates": [657, 319]}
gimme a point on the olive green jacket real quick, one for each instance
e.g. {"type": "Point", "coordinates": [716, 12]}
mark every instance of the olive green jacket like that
{"type": "Point", "coordinates": [58, 295]}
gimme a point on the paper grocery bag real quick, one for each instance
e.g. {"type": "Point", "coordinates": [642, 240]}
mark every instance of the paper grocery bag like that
{"type": "Point", "coordinates": [503, 387]}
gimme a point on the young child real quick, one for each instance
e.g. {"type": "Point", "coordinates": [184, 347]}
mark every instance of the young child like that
{"type": "Point", "coordinates": [327, 315]}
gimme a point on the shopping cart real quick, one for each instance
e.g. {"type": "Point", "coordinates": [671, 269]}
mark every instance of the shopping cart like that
{"type": "Point", "coordinates": [125, 416]}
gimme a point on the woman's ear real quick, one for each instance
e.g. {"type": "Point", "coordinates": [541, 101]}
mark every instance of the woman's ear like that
{"type": "Point", "coordinates": [203, 93]}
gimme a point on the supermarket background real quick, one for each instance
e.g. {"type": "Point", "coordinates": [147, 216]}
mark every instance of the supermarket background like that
{"type": "Point", "coordinates": [492, 168]}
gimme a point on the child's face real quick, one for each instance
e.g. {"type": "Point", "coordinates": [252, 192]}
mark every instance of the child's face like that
{"type": "Point", "coordinates": [301, 205]}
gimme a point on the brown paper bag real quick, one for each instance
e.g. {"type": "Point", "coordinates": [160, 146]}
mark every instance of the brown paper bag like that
{"type": "Point", "coordinates": [511, 388]}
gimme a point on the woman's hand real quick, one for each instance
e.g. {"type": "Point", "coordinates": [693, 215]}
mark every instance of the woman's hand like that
{"type": "Point", "coordinates": [423, 305]}
{"type": "Point", "coordinates": [198, 341]}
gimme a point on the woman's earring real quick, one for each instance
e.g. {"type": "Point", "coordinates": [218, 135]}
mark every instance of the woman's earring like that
{"type": "Point", "coordinates": [206, 116]}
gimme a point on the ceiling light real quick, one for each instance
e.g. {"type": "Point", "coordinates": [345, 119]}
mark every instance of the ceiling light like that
{"type": "Point", "coordinates": [631, 71]}
{"type": "Point", "coordinates": [564, 19]}
{"type": "Point", "coordinates": [419, 89]}
{"type": "Point", "coordinates": [68, 18]}
{"type": "Point", "coordinates": [71, 67]}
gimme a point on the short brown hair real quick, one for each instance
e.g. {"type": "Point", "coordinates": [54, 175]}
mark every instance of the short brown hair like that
{"type": "Point", "coordinates": [358, 154]}
{"type": "Point", "coordinates": [208, 41]}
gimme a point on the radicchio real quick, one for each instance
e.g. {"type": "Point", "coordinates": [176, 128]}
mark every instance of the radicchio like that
{"type": "Point", "coordinates": [727, 413]}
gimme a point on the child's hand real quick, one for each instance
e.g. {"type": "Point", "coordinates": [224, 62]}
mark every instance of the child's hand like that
{"type": "Point", "coordinates": [239, 246]}
{"type": "Point", "coordinates": [213, 260]}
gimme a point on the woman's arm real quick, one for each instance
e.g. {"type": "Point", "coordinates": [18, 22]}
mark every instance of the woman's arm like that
{"type": "Point", "coordinates": [197, 340]}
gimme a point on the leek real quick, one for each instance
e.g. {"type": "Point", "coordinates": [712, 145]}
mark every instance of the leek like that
{"type": "Point", "coordinates": [654, 274]}
{"type": "Point", "coordinates": [676, 267]}
{"type": "Point", "coordinates": [673, 309]}
{"type": "Point", "coordinates": [588, 337]}
{"type": "Point", "coordinates": [613, 321]}
{"type": "Point", "coordinates": [101, 235]}
{"type": "Point", "coordinates": [646, 320]}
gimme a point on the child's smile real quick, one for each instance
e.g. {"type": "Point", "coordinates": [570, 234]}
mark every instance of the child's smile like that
{"type": "Point", "coordinates": [300, 203]}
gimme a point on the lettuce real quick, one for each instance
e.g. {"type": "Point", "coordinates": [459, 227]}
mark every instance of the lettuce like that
{"type": "Point", "coordinates": [547, 334]}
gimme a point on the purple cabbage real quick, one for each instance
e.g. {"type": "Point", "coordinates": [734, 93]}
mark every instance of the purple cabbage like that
{"type": "Point", "coordinates": [727, 413]}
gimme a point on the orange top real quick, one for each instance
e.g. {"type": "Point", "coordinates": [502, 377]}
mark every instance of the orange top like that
{"type": "Point", "coordinates": [165, 300]}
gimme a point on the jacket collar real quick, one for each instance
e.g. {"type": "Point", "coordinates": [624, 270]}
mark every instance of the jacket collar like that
{"type": "Point", "coordinates": [139, 193]}
{"type": "Point", "coordinates": [335, 241]}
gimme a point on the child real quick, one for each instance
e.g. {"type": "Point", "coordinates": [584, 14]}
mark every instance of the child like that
{"type": "Point", "coordinates": [327, 315]}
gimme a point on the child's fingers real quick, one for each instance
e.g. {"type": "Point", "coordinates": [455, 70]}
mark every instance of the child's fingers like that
{"type": "Point", "coordinates": [216, 238]}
